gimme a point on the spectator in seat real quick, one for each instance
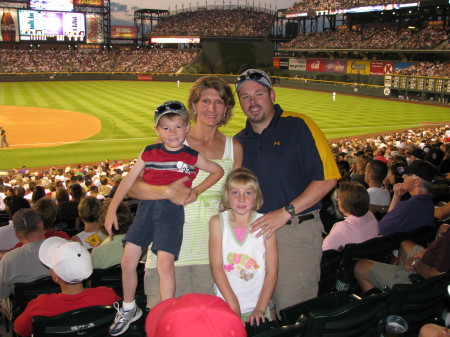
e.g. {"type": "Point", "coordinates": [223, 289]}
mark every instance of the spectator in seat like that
{"type": "Point", "coordinates": [89, 211]}
{"type": "Point", "coordinates": [110, 251]}
{"type": "Point", "coordinates": [380, 198]}
{"type": "Point", "coordinates": [22, 264]}
{"type": "Point", "coordinates": [360, 224]}
{"type": "Point", "coordinates": [8, 238]}
{"type": "Point", "coordinates": [70, 264]}
{"type": "Point", "coordinates": [412, 259]}
{"type": "Point", "coordinates": [418, 211]}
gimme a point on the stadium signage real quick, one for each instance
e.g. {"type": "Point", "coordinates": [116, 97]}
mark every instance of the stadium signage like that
{"type": "Point", "coordinates": [95, 3]}
{"type": "Point", "coordinates": [145, 78]}
{"type": "Point", "coordinates": [358, 67]}
{"type": "Point", "coordinates": [336, 66]}
{"type": "Point", "coordinates": [297, 64]}
{"type": "Point", "coordinates": [364, 9]}
{"type": "Point", "coordinates": [315, 65]}
{"type": "Point", "coordinates": [418, 83]}
{"type": "Point", "coordinates": [381, 68]}
{"type": "Point", "coordinates": [94, 26]}
{"type": "Point", "coordinates": [124, 32]}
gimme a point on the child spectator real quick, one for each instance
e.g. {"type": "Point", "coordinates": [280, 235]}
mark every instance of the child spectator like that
{"type": "Point", "coordinates": [158, 221]}
{"type": "Point", "coordinates": [110, 251]}
{"type": "Point", "coordinates": [70, 264]}
{"type": "Point", "coordinates": [360, 224]}
{"type": "Point", "coordinates": [244, 266]}
{"type": "Point", "coordinates": [89, 212]}
{"type": "Point", "coordinates": [380, 198]}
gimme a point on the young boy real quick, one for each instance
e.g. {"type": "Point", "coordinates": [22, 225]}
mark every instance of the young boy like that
{"type": "Point", "coordinates": [158, 221]}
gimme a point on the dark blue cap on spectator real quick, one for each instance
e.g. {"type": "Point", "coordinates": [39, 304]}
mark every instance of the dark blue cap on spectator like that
{"type": "Point", "coordinates": [421, 169]}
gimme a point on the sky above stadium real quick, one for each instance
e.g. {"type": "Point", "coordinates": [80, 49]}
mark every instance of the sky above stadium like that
{"type": "Point", "coordinates": [122, 11]}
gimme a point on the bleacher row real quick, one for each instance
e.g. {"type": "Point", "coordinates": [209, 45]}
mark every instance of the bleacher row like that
{"type": "Point", "coordinates": [371, 39]}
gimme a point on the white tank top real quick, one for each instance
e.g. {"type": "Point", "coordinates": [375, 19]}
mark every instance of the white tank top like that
{"type": "Point", "coordinates": [244, 263]}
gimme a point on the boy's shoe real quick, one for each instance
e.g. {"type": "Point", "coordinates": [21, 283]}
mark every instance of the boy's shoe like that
{"type": "Point", "coordinates": [124, 319]}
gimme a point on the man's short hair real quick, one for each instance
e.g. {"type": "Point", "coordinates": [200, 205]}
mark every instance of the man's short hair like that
{"type": "Point", "coordinates": [378, 170]}
{"type": "Point", "coordinates": [26, 221]}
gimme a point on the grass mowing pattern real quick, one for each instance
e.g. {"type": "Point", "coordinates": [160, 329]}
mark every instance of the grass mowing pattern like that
{"type": "Point", "coordinates": [125, 109]}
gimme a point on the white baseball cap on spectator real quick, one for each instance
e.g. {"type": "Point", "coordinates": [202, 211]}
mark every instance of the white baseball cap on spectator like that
{"type": "Point", "coordinates": [68, 259]}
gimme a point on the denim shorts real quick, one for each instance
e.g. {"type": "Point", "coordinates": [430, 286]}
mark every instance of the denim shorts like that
{"type": "Point", "coordinates": [159, 222]}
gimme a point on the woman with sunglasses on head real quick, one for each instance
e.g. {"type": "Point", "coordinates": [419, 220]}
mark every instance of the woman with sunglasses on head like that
{"type": "Point", "coordinates": [210, 103]}
{"type": "Point", "coordinates": [158, 222]}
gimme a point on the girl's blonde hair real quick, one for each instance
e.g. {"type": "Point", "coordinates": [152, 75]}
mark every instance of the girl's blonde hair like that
{"type": "Point", "coordinates": [242, 177]}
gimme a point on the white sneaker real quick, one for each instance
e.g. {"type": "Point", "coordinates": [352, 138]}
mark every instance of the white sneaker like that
{"type": "Point", "coordinates": [124, 319]}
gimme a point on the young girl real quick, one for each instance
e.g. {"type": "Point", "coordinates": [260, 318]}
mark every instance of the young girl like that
{"type": "Point", "coordinates": [244, 267]}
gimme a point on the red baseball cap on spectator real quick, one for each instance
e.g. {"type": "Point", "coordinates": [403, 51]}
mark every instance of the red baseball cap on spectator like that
{"type": "Point", "coordinates": [198, 315]}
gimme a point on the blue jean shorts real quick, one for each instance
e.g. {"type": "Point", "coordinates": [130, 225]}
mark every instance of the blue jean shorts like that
{"type": "Point", "coordinates": [159, 222]}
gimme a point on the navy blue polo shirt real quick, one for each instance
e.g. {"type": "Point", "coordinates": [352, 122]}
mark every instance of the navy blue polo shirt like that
{"type": "Point", "coordinates": [286, 157]}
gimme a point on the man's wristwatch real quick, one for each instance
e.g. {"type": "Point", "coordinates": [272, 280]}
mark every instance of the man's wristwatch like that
{"type": "Point", "coordinates": [290, 209]}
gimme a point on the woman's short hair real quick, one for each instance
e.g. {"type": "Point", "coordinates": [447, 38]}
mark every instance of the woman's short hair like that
{"type": "Point", "coordinates": [354, 198]}
{"type": "Point", "coordinates": [242, 177]}
{"type": "Point", "coordinates": [124, 217]}
{"type": "Point", "coordinates": [61, 195]}
{"type": "Point", "coordinates": [211, 82]}
{"type": "Point", "coordinates": [47, 210]}
{"type": "Point", "coordinates": [89, 209]}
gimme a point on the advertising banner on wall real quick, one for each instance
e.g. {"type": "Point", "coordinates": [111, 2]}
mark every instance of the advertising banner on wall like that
{"type": "Point", "coordinates": [381, 67]}
{"type": "Point", "coordinates": [94, 3]}
{"type": "Point", "coordinates": [276, 62]}
{"type": "Point", "coordinates": [402, 65]}
{"type": "Point", "coordinates": [297, 64]}
{"type": "Point", "coordinates": [336, 66]}
{"type": "Point", "coordinates": [358, 67]}
{"type": "Point", "coordinates": [124, 32]}
{"type": "Point", "coordinates": [315, 65]}
{"type": "Point", "coordinates": [9, 25]}
{"type": "Point", "coordinates": [94, 28]}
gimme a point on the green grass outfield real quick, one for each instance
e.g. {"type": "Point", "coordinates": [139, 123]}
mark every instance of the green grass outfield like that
{"type": "Point", "coordinates": [125, 109]}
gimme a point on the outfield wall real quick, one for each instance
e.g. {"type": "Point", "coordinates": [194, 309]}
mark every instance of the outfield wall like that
{"type": "Point", "coordinates": [331, 86]}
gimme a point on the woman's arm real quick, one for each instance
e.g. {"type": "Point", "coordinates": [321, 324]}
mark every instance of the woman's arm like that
{"type": "Point", "coordinates": [176, 192]}
{"type": "Point", "coordinates": [215, 173]}
{"type": "Point", "coordinates": [238, 153]}
{"type": "Point", "coordinates": [216, 264]}
{"type": "Point", "coordinates": [270, 281]}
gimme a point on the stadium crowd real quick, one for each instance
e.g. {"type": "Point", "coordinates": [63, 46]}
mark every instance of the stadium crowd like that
{"type": "Point", "coordinates": [305, 6]}
{"type": "Point", "coordinates": [105, 175]}
{"type": "Point", "coordinates": [234, 22]}
{"type": "Point", "coordinates": [370, 39]}
{"type": "Point", "coordinates": [154, 60]}
{"type": "Point", "coordinates": [436, 69]}
{"type": "Point", "coordinates": [69, 200]}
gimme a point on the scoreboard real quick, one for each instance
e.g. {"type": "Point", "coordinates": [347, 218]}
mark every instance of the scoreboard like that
{"type": "Point", "coordinates": [417, 83]}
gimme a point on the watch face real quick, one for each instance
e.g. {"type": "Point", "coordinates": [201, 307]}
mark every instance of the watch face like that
{"type": "Point", "coordinates": [290, 209]}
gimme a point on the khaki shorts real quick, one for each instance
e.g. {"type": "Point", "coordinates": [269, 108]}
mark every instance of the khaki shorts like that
{"type": "Point", "coordinates": [386, 275]}
{"type": "Point", "coordinates": [189, 279]}
{"type": "Point", "coordinates": [300, 252]}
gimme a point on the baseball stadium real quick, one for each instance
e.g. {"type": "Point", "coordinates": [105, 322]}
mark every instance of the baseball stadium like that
{"type": "Point", "coordinates": [78, 96]}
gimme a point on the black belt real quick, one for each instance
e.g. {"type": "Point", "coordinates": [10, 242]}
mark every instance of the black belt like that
{"type": "Point", "coordinates": [301, 218]}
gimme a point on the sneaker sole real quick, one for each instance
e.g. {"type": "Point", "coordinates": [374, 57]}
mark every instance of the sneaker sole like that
{"type": "Point", "coordinates": [134, 319]}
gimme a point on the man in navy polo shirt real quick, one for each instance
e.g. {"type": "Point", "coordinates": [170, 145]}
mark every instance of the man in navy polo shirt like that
{"type": "Point", "coordinates": [296, 169]}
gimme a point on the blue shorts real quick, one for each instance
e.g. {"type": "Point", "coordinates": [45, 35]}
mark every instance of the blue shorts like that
{"type": "Point", "coordinates": [160, 222]}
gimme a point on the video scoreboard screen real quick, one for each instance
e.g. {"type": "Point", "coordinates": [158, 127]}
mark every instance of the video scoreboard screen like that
{"type": "Point", "coordinates": [52, 5]}
{"type": "Point", "coordinates": [51, 26]}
